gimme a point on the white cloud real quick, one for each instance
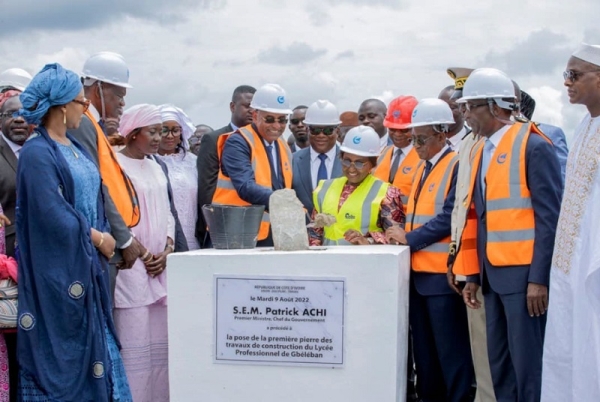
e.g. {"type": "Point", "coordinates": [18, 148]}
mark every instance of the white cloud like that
{"type": "Point", "coordinates": [549, 105]}
{"type": "Point", "coordinates": [389, 47]}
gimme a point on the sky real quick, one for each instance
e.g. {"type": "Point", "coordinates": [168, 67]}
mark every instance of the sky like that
{"type": "Point", "coordinates": [193, 53]}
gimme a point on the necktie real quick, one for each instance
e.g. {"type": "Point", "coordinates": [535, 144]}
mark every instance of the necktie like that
{"type": "Point", "coordinates": [426, 172]}
{"type": "Point", "coordinates": [395, 164]}
{"type": "Point", "coordinates": [275, 181]}
{"type": "Point", "coordinates": [488, 150]}
{"type": "Point", "coordinates": [322, 173]}
{"type": "Point", "coordinates": [101, 124]}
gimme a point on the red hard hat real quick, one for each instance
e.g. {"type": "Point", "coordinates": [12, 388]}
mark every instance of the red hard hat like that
{"type": "Point", "coordinates": [400, 111]}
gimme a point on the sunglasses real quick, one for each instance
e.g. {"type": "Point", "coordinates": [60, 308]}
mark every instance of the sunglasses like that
{"type": "Point", "coordinates": [318, 130]}
{"type": "Point", "coordinates": [357, 164]}
{"type": "Point", "coordinates": [573, 75]}
{"type": "Point", "coordinates": [166, 131]}
{"type": "Point", "coordinates": [272, 120]}
{"type": "Point", "coordinates": [295, 122]}
{"type": "Point", "coordinates": [420, 141]}
{"type": "Point", "coordinates": [85, 103]}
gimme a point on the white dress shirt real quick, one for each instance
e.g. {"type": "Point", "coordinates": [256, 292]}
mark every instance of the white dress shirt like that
{"type": "Point", "coordinates": [456, 139]}
{"type": "Point", "coordinates": [315, 162]}
{"type": "Point", "coordinates": [405, 152]}
{"type": "Point", "coordinates": [435, 158]}
{"type": "Point", "coordinates": [16, 148]}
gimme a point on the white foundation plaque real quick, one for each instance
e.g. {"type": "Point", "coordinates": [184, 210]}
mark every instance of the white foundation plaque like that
{"type": "Point", "coordinates": [279, 320]}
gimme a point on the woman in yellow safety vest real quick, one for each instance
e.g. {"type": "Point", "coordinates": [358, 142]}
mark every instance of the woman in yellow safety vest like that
{"type": "Point", "coordinates": [363, 206]}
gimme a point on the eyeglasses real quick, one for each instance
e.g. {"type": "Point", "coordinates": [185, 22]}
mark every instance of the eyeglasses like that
{"type": "Point", "coordinates": [11, 114]}
{"type": "Point", "coordinates": [272, 120]}
{"type": "Point", "coordinates": [166, 131]}
{"type": "Point", "coordinates": [357, 164]}
{"type": "Point", "coordinates": [573, 75]}
{"type": "Point", "coordinates": [469, 106]}
{"type": "Point", "coordinates": [295, 122]}
{"type": "Point", "coordinates": [318, 130]}
{"type": "Point", "coordinates": [420, 141]}
{"type": "Point", "coordinates": [85, 103]}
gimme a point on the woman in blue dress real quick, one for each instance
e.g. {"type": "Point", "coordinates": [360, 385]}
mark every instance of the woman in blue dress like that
{"type": "Point", "coordinates": [67, 347]}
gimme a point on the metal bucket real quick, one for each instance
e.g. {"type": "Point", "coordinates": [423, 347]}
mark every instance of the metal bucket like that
{"type": "Point", "coordinates": [233, 227]}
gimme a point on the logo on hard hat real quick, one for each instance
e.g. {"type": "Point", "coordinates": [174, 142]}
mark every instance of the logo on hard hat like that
{"type": "Point", "coordinates": [415, 112]}
{"type": "Point", "coordinates": [501, 158]}
{"type": "Point", "coordinates": [431, 187]}
{"type": "Point", "coordinates": [281, 99]}
{"type": "Point", "coordinates": [356, 140]}
{"type": "Point", "coordinates": [406, 169]}
{"type": "Point", "coordinates": [396, 114]}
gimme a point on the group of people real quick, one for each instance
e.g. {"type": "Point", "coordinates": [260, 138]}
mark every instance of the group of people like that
{"type": "Point", "coordinates": [504, 273]}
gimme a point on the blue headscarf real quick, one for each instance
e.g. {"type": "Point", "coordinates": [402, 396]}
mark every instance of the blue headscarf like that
{"type": "Point", "coordinates": [53, 86]}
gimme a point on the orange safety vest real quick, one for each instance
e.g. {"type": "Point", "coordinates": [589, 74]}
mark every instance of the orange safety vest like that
{"type": "Point", "coordinates": [466, 262]}
{"type": "Point", "coordinates": [226, 194]}
{"type": "Point", "coordinates": [405, 174]}
{"type": "Point", "coordinates": [119, 185]}
{"type": "Point", "coordinates": [430, 203]}
{"type": "Point", "coordinates": [510, 222]}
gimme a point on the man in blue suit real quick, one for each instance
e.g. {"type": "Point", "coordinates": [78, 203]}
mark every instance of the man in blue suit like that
{"type": "Point", "coordinates": [556, 134]}
{"type": "Point", "coordinates": [517, 199]}
{"type": "Point", "coordinates": [319, 161]}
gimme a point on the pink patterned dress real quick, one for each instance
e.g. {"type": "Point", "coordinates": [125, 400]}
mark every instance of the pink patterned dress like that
{"type": "Point", "coordinates": [4, 383]}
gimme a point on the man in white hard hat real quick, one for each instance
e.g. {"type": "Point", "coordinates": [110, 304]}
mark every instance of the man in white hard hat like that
{"type": "Point", "coordinates": [320, 160]}
{"type": "Point", "coordinates": [438, 319]}
{"type": "Point", "coordinates": [255, 160]}
{"type": "Point", "coordinates": [15, 79]}
{"type": "Point", "coordinates": [571, 369]}
{"type": "Point", "coordinates": [106, 80]}
{"type": "Point", "coordinates": [207, 163]}
{"type": "Point", "coordinates": [516, 189]}
{"type": "Point", "coordinates": [372, 113]}
{"type": "Point", "coordinates": [462, 259]}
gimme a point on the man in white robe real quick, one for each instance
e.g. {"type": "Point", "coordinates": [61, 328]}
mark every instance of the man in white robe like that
{"type": "Point", "coordinates": [571, 370]}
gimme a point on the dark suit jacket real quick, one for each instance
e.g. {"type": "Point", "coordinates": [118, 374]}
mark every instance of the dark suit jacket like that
{"type": "Point", "coordinates": [8, 192]}
{"type": "Point", "coordinates": [208, 172]}
{"type": "Point", "coordinates": [436, 229]}
{"type": "Point", "coordinates": [302, 179]}
{"type": "Point", "coordinates": [544, 181]}
{"type": "Point", "coordinates": [87, 136]}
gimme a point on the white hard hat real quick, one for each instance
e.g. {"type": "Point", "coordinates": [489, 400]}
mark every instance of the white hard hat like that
{"type": "Point", "coordinates": [107, 67]}
{"type": "Point", "coordinates": [489, 83]}
{"type": "Point", "coordinates": [16, 78]}
{"type": "Point", "coordinates": [322, 113]}
{"type": "Point", "coordinates": [432, 112]}
{"type": "Point", "coordinates": [271, 98]}
{"type": "Point", "coordinates": [361, 141]}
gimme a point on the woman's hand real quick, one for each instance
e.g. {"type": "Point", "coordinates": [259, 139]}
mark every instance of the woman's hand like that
{"type": "Point", "coordinates": [395, 235]}
{"type": "Point", "coordinates": [4, 221]}
{"type": "Point", "coordinates": [106, 245]}
{"type": "Point", "coordinates": [356, 238]}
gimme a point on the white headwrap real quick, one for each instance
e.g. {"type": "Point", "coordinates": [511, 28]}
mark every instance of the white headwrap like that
{"type": "Point", "coordinates": [137, 116]}
{"type": "Point", "coordinates": [589, 53]}
{"type": "Point", "coordinates": [173, 113]}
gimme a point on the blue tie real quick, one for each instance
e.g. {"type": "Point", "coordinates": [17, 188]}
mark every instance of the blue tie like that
{"type": "Point", "coordinates": [274, 177]}
{"type": "Point", "coordinates": [428, 166]}
{"type": "Point", "coordinates": [488, 150]}
{"type": "Point", "coordinates": [395, 165]}
{"type": "Point", "coordinates": [322, 173]}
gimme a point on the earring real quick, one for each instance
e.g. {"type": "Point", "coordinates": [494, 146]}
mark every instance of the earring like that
{"type": "Point", "coordinates": [65, 117]}
{"type": "Point", "coordinates": [133, 138]}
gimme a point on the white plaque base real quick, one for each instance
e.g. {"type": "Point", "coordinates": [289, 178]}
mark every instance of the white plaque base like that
{"type": "Point", "coordinates": [375, 333]}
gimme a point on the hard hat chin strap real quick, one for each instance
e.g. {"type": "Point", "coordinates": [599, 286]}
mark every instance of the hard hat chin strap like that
{"type": "Point", "coordinates": [491, 104]}
{"type": "Point", "coordinates": [103, 111]}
